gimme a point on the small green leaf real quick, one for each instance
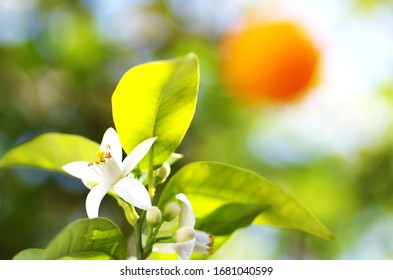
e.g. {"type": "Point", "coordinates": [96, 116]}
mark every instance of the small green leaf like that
{"type": "Point", "coordinates": [211, 185]}
{"type": "Point", "coordinates": [230, 217]}
{"type": "Point", "coordinates": [30, 254]}
{"type": "Point", "coordinates": [156, 99]}
{"type": "Point", "coordinates": [97, 238]}
{"type": "Point", "coordinates": [50, 151]}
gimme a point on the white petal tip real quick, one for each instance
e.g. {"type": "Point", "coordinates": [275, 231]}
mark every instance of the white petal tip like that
{"type": "Point", "coordinates": [94, 199]}
{"type": "Point", "coordinates": [151, 140]}
{"type": "Point", "coordinates": [145, 206]}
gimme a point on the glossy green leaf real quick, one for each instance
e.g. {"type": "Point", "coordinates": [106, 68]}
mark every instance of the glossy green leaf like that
{"type": "Point", "coordinates": [51, 151]}
{"type": "Point", "coordinates": [156, 99]}
{"type": "Point", "coordinates": [230, 217]}
{"type": "Point", "coordinates": [97, 238]}
{"type": "Point", "coordinates": [211, 185]}
{"type": "Point", "coordinates": [30, 254]}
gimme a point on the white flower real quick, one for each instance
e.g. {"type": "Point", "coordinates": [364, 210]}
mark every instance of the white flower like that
{"type": "Point", "coordinates": [188, 240]}
{"type": "Point", "coordinates": [110, 172]}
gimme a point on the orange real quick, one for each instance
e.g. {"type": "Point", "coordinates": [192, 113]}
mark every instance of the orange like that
{"type": "Point", "coordinates": [275, 61]}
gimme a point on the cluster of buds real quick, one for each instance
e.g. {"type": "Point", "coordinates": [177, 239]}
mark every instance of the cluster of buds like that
{"type": "Point", "coordinates": [174, 230]}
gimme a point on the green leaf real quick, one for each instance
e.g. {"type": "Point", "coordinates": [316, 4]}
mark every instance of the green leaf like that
{"type": "Point", "coordinates": [230, 217]}
{"type": "Point", "coordinates": [211, 185]}
{"type": "Point", "coordinates": [97, 238]}
{"type": "Point", "coordinates": [30, 254]}
{"type": "Point", "coordinates": [156, 99]}
{"type": "Point", "coordinates": [51, 151]}
{"type": "Point", "coordinates": [91, 255]}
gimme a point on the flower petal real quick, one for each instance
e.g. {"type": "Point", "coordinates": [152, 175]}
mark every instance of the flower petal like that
{"type": "Point", "coordinates": [136, 155]}
{"type": "Point", "coordinates": [204, 243]}
{"type": "Point", "coordinates": [83, 170]}
{"type": "Point", "coordinates": [184, 249]}
{"type": "Point", "coordinates": [111, 143]}
{"type": "Point", "coordinates": [94, 199]}
{"type": "Point", "coordinates": [89, 184]}
{"type": "Point", "coordinates": [163, 248]}
{"type": "Point", "coordinates": [187, 217]}
{"type": "Point", "coordinates": [134, 192]}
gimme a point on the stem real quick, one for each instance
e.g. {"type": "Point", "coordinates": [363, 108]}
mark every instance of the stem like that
{"type": "Point", "coordinates": [151, 187]}
{"type": "Point", "coordinates": [138, 237]}
{"type": "Point", "coordinates": [151, 239]}
{"type": "Point", "coordinates": [148, 248]}
{"type": "Point", "coordinates": [140, 252]}
{"type": "Point", "coordinates": [164, 239]}
{"type": "Point", "coordinates": [157, 229]}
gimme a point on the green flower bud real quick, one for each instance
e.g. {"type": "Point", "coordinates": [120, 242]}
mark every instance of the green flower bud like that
{"type": "Point", "coordinates": [153, 216]}
{"type": "Point", "coordinates": [185, 234]}
{"type": "Point", "coordinates": [171, 210]}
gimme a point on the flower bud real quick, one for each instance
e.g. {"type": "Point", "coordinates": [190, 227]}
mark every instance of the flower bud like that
{"type": "Point", "coordinates": [162, 172]}
{"type": "Point", "coordinates": [184, 234]}
{"type": "Point", "coordinates": [153, 216]}
{"type": "Point", "coordinates": [171, 210]}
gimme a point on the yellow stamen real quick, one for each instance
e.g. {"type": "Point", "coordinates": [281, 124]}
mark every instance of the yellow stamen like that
{"type": "Point", "coordinates": [101, 154]}
{"type": "Point", "coordinates": [211, 244]}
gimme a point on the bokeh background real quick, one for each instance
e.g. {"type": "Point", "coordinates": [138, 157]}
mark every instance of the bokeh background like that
{"type": "Point", "coordinates": [299, 91]}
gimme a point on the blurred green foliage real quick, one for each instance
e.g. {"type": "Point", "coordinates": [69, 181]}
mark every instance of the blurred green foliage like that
{"type": "Point", "coordinates": [61, 61]}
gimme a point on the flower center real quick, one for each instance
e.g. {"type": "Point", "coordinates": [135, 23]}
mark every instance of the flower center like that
{"type": "Point", "coordinates": [102, 156]}
{"type": "Point", "coordinates": [106, 167]}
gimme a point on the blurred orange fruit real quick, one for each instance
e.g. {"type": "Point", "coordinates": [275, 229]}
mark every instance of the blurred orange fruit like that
{"type": "Point", "coordinates": [275, 61]}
